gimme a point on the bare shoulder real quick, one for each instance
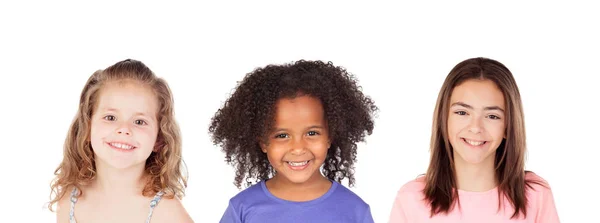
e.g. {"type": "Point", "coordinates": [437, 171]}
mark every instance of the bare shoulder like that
{"type": "Point", "coordinates": [63, 207]}
{"type": "Point", "coordinates": [170, 210]}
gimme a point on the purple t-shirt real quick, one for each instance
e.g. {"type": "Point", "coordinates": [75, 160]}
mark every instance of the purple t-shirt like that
{"type": "Point", "coordinates": [257, 204]}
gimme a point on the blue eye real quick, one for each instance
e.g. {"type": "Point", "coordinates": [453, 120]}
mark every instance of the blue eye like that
{"type": "Point", "coordinates": [110, 118]}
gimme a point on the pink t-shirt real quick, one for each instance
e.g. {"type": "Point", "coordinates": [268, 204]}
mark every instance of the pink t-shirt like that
{"type": "Point", "coordinates": [475, 207]}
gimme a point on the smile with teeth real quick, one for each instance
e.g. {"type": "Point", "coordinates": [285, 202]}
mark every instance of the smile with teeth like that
{"type": "Point", "coordinates": [474, 143]}
{"type": "Point", "coordinates": [297, 163]}
{"type": "Point", "coordinates": [121, 145]}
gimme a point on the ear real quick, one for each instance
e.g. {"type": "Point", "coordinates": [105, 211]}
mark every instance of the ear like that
{"type": "Point", "coordinates": [263, 145]}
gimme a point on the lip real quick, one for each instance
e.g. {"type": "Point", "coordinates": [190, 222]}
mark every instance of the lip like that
{"type": "Point", "coordinates": [471, 142]}
{"type": "Point", "coordinates": [298, 168]}
{"type": "Point", "coordinates": [115, 147]}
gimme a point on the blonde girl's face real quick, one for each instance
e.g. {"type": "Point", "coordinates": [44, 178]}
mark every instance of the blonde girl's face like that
{"type": "Point", "coordinates": [124, 125]}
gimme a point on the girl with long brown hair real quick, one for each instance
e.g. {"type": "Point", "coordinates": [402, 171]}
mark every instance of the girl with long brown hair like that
{"type": "Point", "coordinates": [477, 165]}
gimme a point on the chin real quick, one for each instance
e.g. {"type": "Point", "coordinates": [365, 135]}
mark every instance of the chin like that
{"type": "Point", "coordinates": [474, 159]}
{"type": "Point", "coordinates": [122, 164]}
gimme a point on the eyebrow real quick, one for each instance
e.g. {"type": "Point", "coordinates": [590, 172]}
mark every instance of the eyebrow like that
{"type": "Point", "coordinates": [489, 108]}
{"type": "Point", "coordinates": [311, 127]}
{"type": "Point", "coordinates": [136, 114]}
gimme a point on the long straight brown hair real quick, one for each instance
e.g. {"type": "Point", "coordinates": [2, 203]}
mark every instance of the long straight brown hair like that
{"type": "Point", "coordinates": [440, 190]}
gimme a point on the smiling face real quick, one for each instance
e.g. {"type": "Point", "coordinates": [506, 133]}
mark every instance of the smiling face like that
{"type": "Point", "coordinates": [124, 125]}
{"type": "Point", "coordinates": [298, 144]}
{"type": "Point", "coordinates": [476, 121]}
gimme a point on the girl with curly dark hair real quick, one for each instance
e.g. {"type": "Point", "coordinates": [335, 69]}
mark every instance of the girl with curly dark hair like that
{"type": "Point", "coordinates": [293, 130]}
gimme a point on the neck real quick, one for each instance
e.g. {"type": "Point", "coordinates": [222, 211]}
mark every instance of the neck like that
{"type": "Point", "coordinates": [315, 187]}
{"type": "Point", "coordinates": [316, 181]}
{"type": "Point", "coordinates": [113, 181]}
{"type": "Point", "coordinates": [475, 177]}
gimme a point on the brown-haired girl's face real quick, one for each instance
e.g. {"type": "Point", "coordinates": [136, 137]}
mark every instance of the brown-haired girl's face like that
{"type": "Point", "coordinates": [124, 125]}
{"type": "Point", "coordinates": [298, 144]}
{"type": "Point", "coordinates": [476, 121]}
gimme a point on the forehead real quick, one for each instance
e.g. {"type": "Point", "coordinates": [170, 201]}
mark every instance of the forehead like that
{"type": "Point", "coordinates": [478, 93]}
{"type": "Point", "coordinates": [127, 96]}
{"type": "Point", "coordinates": [299, 110]}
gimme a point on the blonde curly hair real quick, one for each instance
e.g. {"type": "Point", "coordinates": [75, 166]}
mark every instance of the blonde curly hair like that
{"type": "Point", "coordinates": [165, 168]}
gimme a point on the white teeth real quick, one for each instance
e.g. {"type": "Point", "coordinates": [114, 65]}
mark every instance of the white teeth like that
{"type": "Point", "coordinates": [298, 163]}
{"type": "Point", "coordinates": [474, 143]}
{"type": "Point", "coordinates": [121, 145]}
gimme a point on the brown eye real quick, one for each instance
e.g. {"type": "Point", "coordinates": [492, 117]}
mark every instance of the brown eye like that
{"type": "Point", "coordinates": [460, 113]}
{"type": "Point", "coordinates": [313, 133]}
{"type": "Point", "coordinates": [281, 136]}
{"type": "Point", "coordinates": [140, 122]}
{"type": "Point", "coordinates": [493, 117]}
{"type": "Point", "coordinates": [110, 118]}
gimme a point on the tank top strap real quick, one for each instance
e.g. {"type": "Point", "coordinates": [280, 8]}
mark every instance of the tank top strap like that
{"type": "Point", "coordinates": [73, 199]}
{"type": "Point", "coordinates": [153, 204]}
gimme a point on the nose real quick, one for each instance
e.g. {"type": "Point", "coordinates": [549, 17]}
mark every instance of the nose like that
{"type": "Point", "coordinates": [475, 125]}
{"type": "Point", "coordinates": [124, 130]}
{"type": "Point", "coordinates": [298, 146]}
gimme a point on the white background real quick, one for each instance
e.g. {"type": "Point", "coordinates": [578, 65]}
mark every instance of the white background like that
{"type": "Point", "coordinates": [400, 52]}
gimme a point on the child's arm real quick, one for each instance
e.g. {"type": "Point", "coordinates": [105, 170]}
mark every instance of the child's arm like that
{"type": "Point", "coordinates": [230, 215]}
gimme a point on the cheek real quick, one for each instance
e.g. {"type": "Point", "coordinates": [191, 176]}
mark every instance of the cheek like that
{"type": "Point", "coordinates": [455, 126]}
{"type": "Point", "coordinates": [274, 159]}
{"type": "Point", "coordinates": [98, 130]}
{"type": "Point", "coordinates": [319, 149]}
{"type": "Point", "coordinates": [147, 134]}
{"type": "Point", "coordinates": [275, 152]}
{"type": "Point", "coordinates": [496, 130]}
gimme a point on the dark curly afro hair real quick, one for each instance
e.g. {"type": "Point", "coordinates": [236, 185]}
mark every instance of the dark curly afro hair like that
{"type": "Point", "coordinates": [248, 116]}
